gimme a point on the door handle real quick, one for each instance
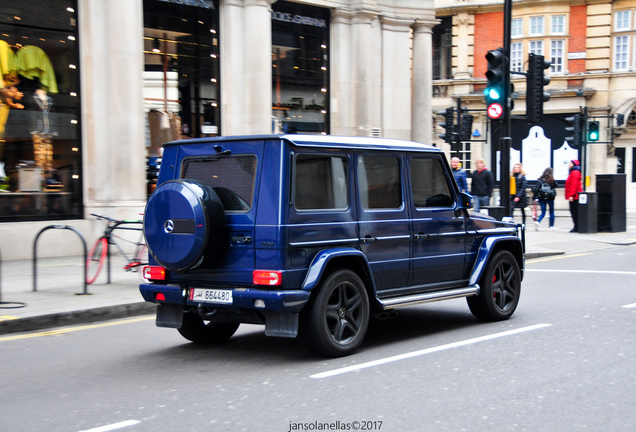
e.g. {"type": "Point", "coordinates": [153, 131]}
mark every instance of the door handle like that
{"type": "Point", "coordinates": [242, 239]}
{"type": "Point", "coordinates": [368, 239]}
{"type": "Point", "coordinates": [420, 236]}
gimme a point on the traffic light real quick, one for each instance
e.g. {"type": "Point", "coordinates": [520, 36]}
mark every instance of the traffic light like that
{"type": "Point", "coordinates": [449, 125]}
{"type": "Point", "coordinates": [465, 127]}
{"type": "Point", "coordinates": [620, 119]}
{"type": "Point", "coordinates": [535, 81]}
{"type": "Point", "coordinates": [592, 130]}
{"type": "Point", "coordinates": [496, 94]}
{"type": "Point", "coordinates": [575, 139]}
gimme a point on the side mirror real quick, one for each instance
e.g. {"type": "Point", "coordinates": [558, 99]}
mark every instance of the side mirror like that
{"type": "Point", "coordinates": [466, 200]}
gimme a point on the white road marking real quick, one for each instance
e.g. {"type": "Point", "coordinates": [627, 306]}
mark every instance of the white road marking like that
{"type": "Point", "coordinates": [582, 271]}
{"type": "Point", "coordinates": [354, 368]}
{"type": "Point", "coordinates": [629, 306]}
{"type": "Point", "coordinates": [114, 426]}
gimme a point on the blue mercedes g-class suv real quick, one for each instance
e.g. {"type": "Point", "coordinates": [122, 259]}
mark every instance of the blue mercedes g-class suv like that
{"type": "Point", "coordinates": [313, 235]}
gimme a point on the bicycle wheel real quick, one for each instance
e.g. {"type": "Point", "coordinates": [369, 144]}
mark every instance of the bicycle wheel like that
{"type": "Point", "coordinates": [96, 258]}
{"type": "Point", "coordinates": [139, 260]}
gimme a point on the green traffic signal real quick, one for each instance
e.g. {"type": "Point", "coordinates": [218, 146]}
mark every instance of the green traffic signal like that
{"type": "Point", "coordinates": [593, 133]}
{"type": "Point", "coordinates": [495, 90]}
{"type": "Point", "coordinates": [493, 93]}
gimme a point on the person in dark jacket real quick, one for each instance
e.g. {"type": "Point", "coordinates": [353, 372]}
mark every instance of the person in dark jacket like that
{"type": "Point", "coordinates": [481, 185]}
{"type": "Point", "coordinates": [519, 200]}
{"type": "Point", "coordinates": [459, 174]}
{"type": "Point", "coordinates": [572, 189]}
{"type": "Point", "coordinates": [544, 197]}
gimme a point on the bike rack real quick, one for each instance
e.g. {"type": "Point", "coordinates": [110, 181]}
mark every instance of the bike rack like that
{"type": "Point", "coordinates": [3, 303]}
{"type": "Point", "coordinates": [35, 243]}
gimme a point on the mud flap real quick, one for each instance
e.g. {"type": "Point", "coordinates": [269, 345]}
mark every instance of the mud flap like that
{"type": "Point", "coordinates": [281, 324]}
{"type": "Point", "coordinates": [169, 315]}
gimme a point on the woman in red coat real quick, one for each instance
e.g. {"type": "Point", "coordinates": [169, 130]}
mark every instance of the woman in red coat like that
{"type": "Point", "coordinates": [572, 189]}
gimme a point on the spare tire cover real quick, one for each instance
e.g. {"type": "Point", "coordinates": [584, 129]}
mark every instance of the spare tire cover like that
{"type": "Point", "coordinates": [183, 220]}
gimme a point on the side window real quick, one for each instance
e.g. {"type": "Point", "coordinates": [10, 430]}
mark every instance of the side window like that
{"type": "Point", "coordinates": [379, 182]}
{"type": "Point", "coordinates": [321, 182]}
{"type": "Point", "coordinates": [429, 184]}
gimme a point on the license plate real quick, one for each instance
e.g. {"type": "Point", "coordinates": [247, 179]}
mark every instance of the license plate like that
{"type": "Point", "coordinates": [211, 295]}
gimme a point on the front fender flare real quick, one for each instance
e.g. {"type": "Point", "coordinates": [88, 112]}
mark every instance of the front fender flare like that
{"type": "Point", "coordinates": [322, 260]}
{"type": "Point", "coordinates": [485, 251]}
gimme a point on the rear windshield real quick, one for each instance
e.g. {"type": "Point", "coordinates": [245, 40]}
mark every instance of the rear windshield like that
{"type": "Point", "coordinates": [231, 177]}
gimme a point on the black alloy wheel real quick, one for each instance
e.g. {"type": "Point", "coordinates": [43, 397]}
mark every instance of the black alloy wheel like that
{"type": "Point", "coordinates": [336, 319]}
{"type": "Point", "coordinates": [500, 289]}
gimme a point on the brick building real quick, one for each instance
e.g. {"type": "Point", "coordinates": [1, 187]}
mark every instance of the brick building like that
{"type": "Point", "coordinates": [592, 45]}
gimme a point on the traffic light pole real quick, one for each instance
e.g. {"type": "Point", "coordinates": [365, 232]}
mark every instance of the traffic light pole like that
{"type": "Point", "coordinates": [506, 140]}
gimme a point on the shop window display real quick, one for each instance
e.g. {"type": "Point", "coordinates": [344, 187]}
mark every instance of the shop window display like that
{"type": "Point", "coordinates": [40, 148]}
{"type": "Point", "coordinates": [182, 73]}
{"type": "Point", "coordinates": [300, 68]}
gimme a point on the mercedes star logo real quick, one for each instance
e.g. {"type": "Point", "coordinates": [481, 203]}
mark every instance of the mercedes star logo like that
{"type": "Point", "coordinates": [168, 227]}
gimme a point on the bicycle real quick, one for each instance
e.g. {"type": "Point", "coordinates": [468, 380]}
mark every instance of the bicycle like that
{"type": "Point", "coordinates": [101, 248]}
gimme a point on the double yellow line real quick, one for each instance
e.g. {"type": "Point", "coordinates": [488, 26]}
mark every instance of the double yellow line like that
{"type": "Point", "coordinates": [74, 329]}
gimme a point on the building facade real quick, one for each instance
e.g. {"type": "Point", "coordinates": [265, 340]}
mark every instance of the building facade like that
{"type": "Point", "coordinates": [592, 47]}
{"type": "Point", "coordinates": [91, 89]}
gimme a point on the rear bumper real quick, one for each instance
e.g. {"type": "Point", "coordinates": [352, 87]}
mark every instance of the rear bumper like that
{"type": "Point", "coordinates": [242, 298]}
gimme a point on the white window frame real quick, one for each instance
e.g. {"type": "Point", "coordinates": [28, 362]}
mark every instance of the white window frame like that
{"type": "Point", "coordinates": [557, 57]}
{"type": "Point", "coordinates": [516, 28]}
{"type": "Point", "coordinates": [558, 25]}
{"type": "Point", "coordinates": [619, 20]}
{"type": "Point", "coordinates": [535, 47]}
{"type": "Point", "coordinates": [516, 56]}
{"type": "Point", "coordinates": [633, 52]}
{"type": "Point", "coordinates": [621, 57]}
{"type": "Point", "coordinates": [537, 26]}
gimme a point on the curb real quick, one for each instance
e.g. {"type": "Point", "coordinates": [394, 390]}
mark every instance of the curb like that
{"type": "Point", "coordinates": [534, 255]}
{"type": "Point", "coordinates": [76, 317]}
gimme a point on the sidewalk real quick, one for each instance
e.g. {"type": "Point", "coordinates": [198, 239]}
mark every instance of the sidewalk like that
{"type": "Point", "coordinates": [59, 280]}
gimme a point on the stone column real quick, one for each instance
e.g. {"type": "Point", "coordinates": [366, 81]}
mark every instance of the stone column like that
{"type": "Point", "coordinates": [363, 103]}
{"type": "Point", "coordinates": [340, 73]}
{"type": "Point", "coordinates": [246, 62]}
{"type": "Point", "coordinates": [113, 122]}
{"type": "Point", "coordinates": [422, 78]}
{"type": "Point", "coordinates": [396, 78]}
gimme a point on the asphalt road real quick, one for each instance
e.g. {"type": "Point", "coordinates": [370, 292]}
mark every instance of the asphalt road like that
{"type": "Point", "coordinates": [564, 362]}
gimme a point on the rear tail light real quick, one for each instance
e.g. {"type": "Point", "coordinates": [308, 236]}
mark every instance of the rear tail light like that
{"type": "Point", "coordinates": [154, 273]}
{"type": "Point", "coordinates": [160, 297]}
{"type": "Point", "coordinates": [267, 277]}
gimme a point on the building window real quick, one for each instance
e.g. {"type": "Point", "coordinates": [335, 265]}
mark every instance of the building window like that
{"type": "Point", "coordinates": [443, 49]}
{"type": "Point", "coordinates": [558, 25]}
{"type": "Point", "coordinates": [516, 57]}
{"type": "Point", "coordinates": [300, 68]}
{"type": "Point", "coordinates": [621, 20]}
{"type": "Point", "coordinates": [621, 52]}
{"type": "Point", "coordinates": [536, 26]}
{"type": "Point", "coordinates": [40, 118]}
{"type": "Point", "coordinates": [516, 30]}
{"type": "Point", "coordinates": [556, 55]}
{"type": "Point", "coordinates": [536, 47]}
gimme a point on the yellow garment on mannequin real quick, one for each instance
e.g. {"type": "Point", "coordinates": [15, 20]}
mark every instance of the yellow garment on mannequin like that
{"type": "Point", "coordinates": [7, 61]}
{"type": "Point", "coordinates": [32, 62]}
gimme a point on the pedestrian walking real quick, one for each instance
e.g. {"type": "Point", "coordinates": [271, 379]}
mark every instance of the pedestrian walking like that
{"type": "Point", "coordinates": [519, 200]}
{"type": "Point", "coordinates": [459, 174]}
{"type": "Point", "coordinates": [481, 185]}
{"type": "Point", "coordinates": [544, 192]}
{"type": "Point", "coordinates": [572, 189]}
